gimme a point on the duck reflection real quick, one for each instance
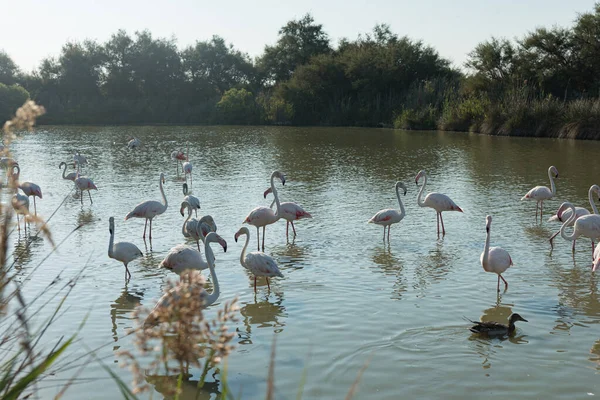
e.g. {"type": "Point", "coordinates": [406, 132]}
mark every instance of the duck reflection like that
{"type": "Point", "coordinates": [262, 314]}
{"type": "Point", "coordinates": [434, 267]}
{"type": "Point", "coordinates": [487, 346]}
{"type": "Point", "coordinates": [390, 265]}
{"type": "Point", "coordinates": [166, 384]}
{"type": "Point", "coordinates": [120, 310]}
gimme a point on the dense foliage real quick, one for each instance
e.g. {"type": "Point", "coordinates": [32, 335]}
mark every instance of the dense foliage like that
{"type": "Point", "coordinates": [546, 83]}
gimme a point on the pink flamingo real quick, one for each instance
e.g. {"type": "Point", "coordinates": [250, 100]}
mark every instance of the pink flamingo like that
{"type": "Point", "coordinates": [150, 208]}
{"type": "Point", "coordinates": [71, 176]}
{"type": "Point", "coordinates": [263, 216]}
{"type": "Point", "coordinates": [438, 201]}
{"type": "Point", "coordinates": [290, 212]}
{"type": "Point", "coordinates": [84, 184]}
{"type": "Point", "coordinates": [178, 156]}
{"type": "Point", "coordinates": [28, 188]}
{"type": "Point", "coordinates": [494, 259]}
{"type": "Point", "coordinates": [541, 193]}
{"type": "Point", "coordinates": [586, 225]}
{"type": "Point", "coordinates": [390, 216]}
{"type": "Point", "coordinates": [562, 215]}
{"type": "Point", "coordinates": [258, 263]}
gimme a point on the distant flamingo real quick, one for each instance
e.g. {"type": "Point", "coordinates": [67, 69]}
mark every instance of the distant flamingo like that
{"type": "Point", "coordinates": [494, 259]}
{"type": "Point", "coordinates": [84, 184]}
{"type": "Point", "coordinates": [178, 156]}
{"type": "Point", "coordinates": [586, 225]}
{"type": "Point", "coordinates": [187, 167]}
{"type": "Point", "coordinates": [150, 208]}
{"type": "Point", "coordinates": [190, 227]}
{"type": "Point", "coordinates": [134, 143]}
{"type": "Point", "coordinates": [121, 251]}
{"type": "Point", "coordinates": [208, 298]}
{"type": "Point", "coordinates": [390, 216]}
{"type": "Point", "coordinates": [192, 200]}
{"type": "Point", "coordinates": [290, 212]}
{"type": "Point", "coordinates": [263, 216]}
{"type": "Point", "coordinates": [541, 193]}
{"type": "Point", "coordinates": [438, 201]}
{"type": "Point", "coordinates": [71, 176]}
{"type": "Point", "coordinates": [562, 215]}
{"type": "Point", "coordinates": [258, 263]}
{"type": "Point", "coordinates": [20, 204]}
{"type": "Point", "coordinates": [79, 161]}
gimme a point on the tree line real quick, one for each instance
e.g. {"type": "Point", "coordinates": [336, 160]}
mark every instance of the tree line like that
{"type": "Point", "coordinates": [535, 85]}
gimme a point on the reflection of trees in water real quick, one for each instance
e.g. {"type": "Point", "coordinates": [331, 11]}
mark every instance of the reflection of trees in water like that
{"type": "Point", "coordinates": [122, 307]}
{"type": "Point", "coordinates": [487, 346]}
{"type": "Point", "coordinates": [165, 384]}
{"type": "Point", "coordinates": [434, 267]}
{"type": "Point", "coordinates": [262, 314]}
{"type": "Point", "coordinates": [390, 265]}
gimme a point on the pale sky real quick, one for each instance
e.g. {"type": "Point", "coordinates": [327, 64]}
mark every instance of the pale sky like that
{"type": "Point", "coordinates": [32, 30]}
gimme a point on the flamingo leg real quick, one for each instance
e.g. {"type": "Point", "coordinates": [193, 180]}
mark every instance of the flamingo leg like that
{"type": "Point", "coordinates": [287, 228]}
{"type": "Point", "coordinates": [292, 222]}
{"type": "Point", "coordinates": [541, 210]}
{"type": "Point", "coordinates": [263, 241]}
{"type": "Point", "coordinates": [443, 229]}
{"type": "Point", "coordinates": [269, 286]}
{"type": "Point", "coordinates": [90, 194]}
{"type": "Point", "coordinates": [150, 237]}
{"type": "Point", "coordinates": [537, 204]}
{"type": "Point", "coordinates": [505, 283]}
{"type": "Point", "coordinates": [81, 197]}
{"type": "Point", "coordinates": [438, 223]}
{"type": "Point", "coordinates": [498, 286]}
{"type": "Point", "coordinates": [573, 247]}
{"type": "Point", "coordinates": [254, 283]}
{"type": "Point", "coordinates": [389, 227]}
{"type": "Point", "coordinates": [34, 206]}
{"type": "Point", "coordinates": [145, 226]}
{"type": "Point", "coordinates": [257, 239]}
{"type": "Point", "coordinates": [384, 233]}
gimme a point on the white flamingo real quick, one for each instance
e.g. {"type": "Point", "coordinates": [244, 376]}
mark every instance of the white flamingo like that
{"type": "Point", "coordinates": [150, 208]}
{"type": "Point", "coordinates": [187, 167]}
{"type": "Point", "coordinates": [208, 298]}
{"type": "Point", "coordinates": [121, 251]}
{"type": "Point", "coordinates": [182, 257]}
{"type": "Point", "coordinates": [541, 193]}
{"type": "Point", "coordinates": [20, 204]}
{"type": "Point", "coordinates": [192, 200]}
{"type": "Point", "coordinates": [494, 259]}
{"type": "Point", "coordinates": [586, 225]}
{"type": "Point", "coordinates": [263, 216]}
{"type": "Point", "coordinates": [85, 184]}
{"type": "Point", "coordinates": [564, 213]}
{"type": "Point", "coordinates": [390, 216]}
{"type": "Point", "coordinates": [71, 176]}
{"type": "Point", "coordinates": [290, 212]}
{"type": "Point", "coordinates": [79, 161]}
{"type": "Point", "coordinates": [258, 263]}
{"type": "Point", "coordinates": [438, 201]}
{"type": "Point", "coordinates": [134, 143]}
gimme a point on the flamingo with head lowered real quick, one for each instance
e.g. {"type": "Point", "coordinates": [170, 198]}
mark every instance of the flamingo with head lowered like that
{"type": "Point", "coordinates": [438, 201]}
{"type": "Point", "coordinates": [586, 225]}
{"type": "Point", "coordinates": [390, 216]}
{"type": "Point", "coordinates": [494, 259]}
{"type": "Point", "coordinates": [121, 251]}
{"type": "Point", "coordinates": [150, 208]}
{"type": "Point", "coordinates": [258, 263]}
{"type": "Point", "coordinates": [541, 193]}
{"type": "Point", "coordinates": [263, 216]}
{"type": "Point", "coordinates": [192, 200]}
{"type": "Point", "coordinates": [290, 212]}
{"type": "Point", "coordinates": [564, 213]}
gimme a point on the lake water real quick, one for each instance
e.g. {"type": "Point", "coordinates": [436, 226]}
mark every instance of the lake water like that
{"type": "Point", "coordinates": [348, 299]}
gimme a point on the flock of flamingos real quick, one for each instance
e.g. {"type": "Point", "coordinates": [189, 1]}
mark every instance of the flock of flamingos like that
{"type": "Point", "coordinates": [183, 257]}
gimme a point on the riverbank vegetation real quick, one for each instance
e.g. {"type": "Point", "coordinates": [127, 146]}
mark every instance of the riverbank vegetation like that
{"type": "Point", "coordinates": [546, 83]}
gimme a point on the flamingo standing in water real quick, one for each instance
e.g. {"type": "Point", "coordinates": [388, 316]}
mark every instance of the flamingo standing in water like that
{"type": "Point", "coordinates": [84, 184]}
{"type": "Point", "coordinates": [79, 161]}
{"type": "Point", "coordinates": [178, 157]}
{"type": "Point", "coordinates": [541, 193]}
{"type": "Point", "coordinates": [207, 298]}
{"type": "Point", "coordinates": [258, 263]}
{"type": "Point", "coordinates": [134, 143]}
{"type": "Point", "coordinates": [263, 216]}
{"type": "Point", "coordinates": [187, 167]}
{"type": "Point", "coordinates": [438, 201]}
{"type": "Point", "coordinates": [20, 204]}
{"type": "Point", "coordinates": [31, 189]}
{"type": "Point", "coordinates": [150, 208]}
{"type": "Point", "coordinates": [192, 200]}
{"type": "Point", "coordinates": [182, 257]}
{"type": "Point", "coordinates": [290, 212]}
{"type": "Point", "coordinates": [190, 227]}
{"type": "Point", "coordinates": [586, 225]}
{"type": "Point", "coordinates": [564, 213]}
{"type": "Point", "coordinates": [71, 176]}
{"type": "Point", "coordinates": [390, 216]}
{"type": "Point", "coordinates": [121, 251]}
{"type": "Point", "coordinates": [494, 259]}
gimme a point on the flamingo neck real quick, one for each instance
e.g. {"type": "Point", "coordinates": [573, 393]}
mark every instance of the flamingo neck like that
{"type": "Point", "coordinates": [420, 202]}
{"type": "Point", "coordinates": [243, 255]}
{"type": "Point", "coordinates": [184, 227]}
{"type": "Point", "coordinates": [552, 187]}
{"type": "Point", "coordinates": [402, 211]}
{"type": "Point", "coordinates": [567, 223]}
{"type": "Point", "coordinates": [274, 190]}
{"type": "Point", "coordinates": [162, 191]}
{"type": "Point", "coordinates": [111, 242]}
{"type": "Point", "coordinates": [486, 249]}
{"type": "Point", "coordinates": [591, 199]}
{"type": "Point", "coordinates": [211, 298]}
{"type": "Point", "coordinates": [64, 170]}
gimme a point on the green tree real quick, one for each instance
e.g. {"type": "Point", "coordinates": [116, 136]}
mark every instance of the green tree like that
{"type": "Point", "coordinates": [11, 98]}
{"type": "Point", "coordinates": [8, 69]}
{"type": "Point", "coordinates": [237, 106]}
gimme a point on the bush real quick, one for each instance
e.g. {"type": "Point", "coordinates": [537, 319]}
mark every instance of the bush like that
{"type": "Point", "coordinates": [421, 119]}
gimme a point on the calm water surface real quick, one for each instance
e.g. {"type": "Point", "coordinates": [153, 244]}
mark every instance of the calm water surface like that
{"type": "Point", "coordinates": [347, 298]}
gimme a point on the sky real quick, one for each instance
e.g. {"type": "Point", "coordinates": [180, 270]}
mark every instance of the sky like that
{"type": "Point", "coordinates": [36, 29]}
